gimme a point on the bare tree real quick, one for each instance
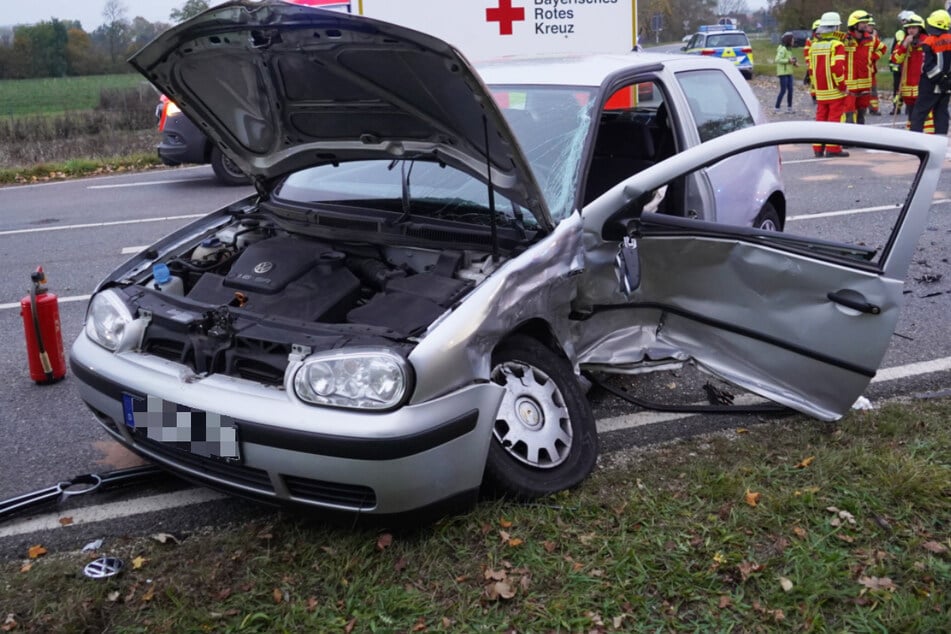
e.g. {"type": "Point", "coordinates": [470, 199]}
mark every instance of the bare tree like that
{"type": "Point", "coordinates": [115, 27]}
{"type": "Point", "coordinates": [732, 7]}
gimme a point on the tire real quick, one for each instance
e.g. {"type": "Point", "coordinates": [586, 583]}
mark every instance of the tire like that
{"type": "Point", "coordinates": [226, 171]}
{"type": "Point", "coordinates": [544, 439]}
{"type": "Point", "coordinates": [768, 219]}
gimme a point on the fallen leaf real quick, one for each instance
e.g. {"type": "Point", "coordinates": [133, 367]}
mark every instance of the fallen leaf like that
{"type": "Point", "coordinates": [515, 541]}
{"type": "Point", "coordinates": [499, 590]}
{"type": "Point", "coordinates": [549, 546]}
{"type": "Point", "coordinates": [799, 532]}
{"type": "Point", "coordinates": [504, 523]}
{"type": "Point", "coordinates": [138, 562]}
{"type": "Point", "coordinates": [277, 595]}
{"type": "Point", "coordinates": [9, 623]}
{"type": "Point", "coordinates": [36, 551]}
{"type": "Point", "coordinates": [26, 567]}
{"type": "Point", "coordinates": [149, 595]}
{"type": "Point", "coordinates": [725, 601]}
{"type": "Point", "coordinates": [742, 430]}
{"type": "Point", "coordinates": [65, 521]}
{"type": "Point", "coordinates": [877, 583]}
{"type": "Point", "coordinates": [747, 568]}
{"type": "Point", "coordinates": [848, 539]}
{"type": "Point", "coordinates": [778, 615]}
{"type": "Point", "coordinates": [352, 623]}
{"type": "Point", "coordinates": [311, 604]}
{"type": "Point", "coordinates": [785, 584]}
{"type": "Point", "coordinates": [113, 596]}
{"type": "Point", "coordinates": [504, 536]}
{"type": "Point", "coordinates": [223, 594]}
{"type": "Point", "coordinates": [420, 625]}
{"type": "Point", "coordinates": [495, 575]}
{"type": "Point", "coordinates": [446, 622]}
{"type": "Point", "coordinates": [752, 497]}
{"type": "Point", "coordinates": [164, 538]}
{"type": "Point", "coordinates": [805, 462]}
{"type": "Point", "coordinates": [400, 564]}
{"type": "Point", "coordinates": [384, 541]}
{"type": "Point", "coordinates": [935, 547]}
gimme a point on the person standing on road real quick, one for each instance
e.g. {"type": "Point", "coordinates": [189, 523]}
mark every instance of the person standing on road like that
{"type": "Point", "coordinates": [807, 79]}
{"type": "Point", "coordinates": [860, 56]}
{"type": "Point", "coordinates": [784, 69]}
{"type": "Point", "coordinates": [827, 61]}
{"type": "Point", "coordinates": [880, 52]}
{"type": "Point", "coordinates": [934, 87]}
{"type": "Point", "coordinates": [894, 66]}
{"type": "Point", "coordinates": [910, 55]}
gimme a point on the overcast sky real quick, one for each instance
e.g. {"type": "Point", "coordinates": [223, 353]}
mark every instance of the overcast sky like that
{"type": "Point", "coordinates": [88, 12]}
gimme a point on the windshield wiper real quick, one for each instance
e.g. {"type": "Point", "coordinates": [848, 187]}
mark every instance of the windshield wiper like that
{"type": "Point", "coordinates": [404, 187]}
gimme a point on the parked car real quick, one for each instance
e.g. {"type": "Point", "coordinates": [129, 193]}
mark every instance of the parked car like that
{"type": "Point", "coordinates": [400, 314]}
{"type": "Point", "coordinates": [182, 142]}
{"type": "Point", "coordinates": [724, 41]}
{"type": "Point", "coordinates": [800, 36]}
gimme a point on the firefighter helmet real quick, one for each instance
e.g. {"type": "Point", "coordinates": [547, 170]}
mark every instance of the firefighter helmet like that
{"type": "Point", "coordinates": [859, 16]}
{"type": "Point", "coordinates": [815, 24]}
{"type": "Point", "coordinates": [940, 20]}
{"type": "Point", "coordinates": [915, 20]}
{"type": "Point", "coordinates": [829, 22]}
{"type": "Point", "coordinates": [904, 15]}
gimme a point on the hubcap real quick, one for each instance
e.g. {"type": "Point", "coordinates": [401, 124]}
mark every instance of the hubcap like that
{"type": "Point", "coordinates": [533, 424]}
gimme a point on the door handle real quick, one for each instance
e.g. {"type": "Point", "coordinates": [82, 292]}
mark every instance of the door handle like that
{"type": "Point", "coordinates": [854, 300]}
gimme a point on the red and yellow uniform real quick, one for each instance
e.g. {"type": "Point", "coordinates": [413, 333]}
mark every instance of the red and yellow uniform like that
{"type": "Point", "coordinates": [805, 56]}
{"type": "Point", "coordinates": [880, 52]}
{"type": "Point", "coordinates": [827, 62]}
{"type": "Point", "coordinates": [860, 56]}
{"type": "Point", "coordinates": [910, 55]}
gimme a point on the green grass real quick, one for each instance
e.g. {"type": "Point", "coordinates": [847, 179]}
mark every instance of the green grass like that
{"type": "Point", "coordinates": [78, 167]}
{"type": "Point", "coordinates": [22, 97]}
{"type": "Point", "coordinates": [855, 539]}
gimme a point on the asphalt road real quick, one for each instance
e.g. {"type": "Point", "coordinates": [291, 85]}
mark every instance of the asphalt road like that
{"type": "Point", "coordinates": [80, 230]}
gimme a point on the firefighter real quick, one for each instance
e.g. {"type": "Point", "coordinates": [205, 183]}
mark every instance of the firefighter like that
{"type": "Point", "coordinates": [881, 51]}
{"type": "Point", "coordinates": [827, 62]}
{"type": "Point", "coordinates": [934, 86]}
{"type": "Point", "coordinates": [910, 55]}
{"type": "Point", "coordinates": [807, 78]}
{"type": "Point", "coordinates": [860, 56]}
{"type": "Point", "coordinates": [894, 66]}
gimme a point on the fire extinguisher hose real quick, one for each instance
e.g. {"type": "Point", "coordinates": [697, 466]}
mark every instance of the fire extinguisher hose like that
{"type": "Point", "coordinates": [44, 357]}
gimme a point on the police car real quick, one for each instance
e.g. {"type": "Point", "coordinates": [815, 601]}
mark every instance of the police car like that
{"type": "Point", "coordinates": [721, 40]}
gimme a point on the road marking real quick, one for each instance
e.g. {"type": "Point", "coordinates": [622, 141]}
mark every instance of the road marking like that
{"type": "Point", "coordinates": [190, 497]}
{"type": "Point", "coordinates": [114, 510]}
{"type": "Point", "coordinates": [146, 183]}
{"type": "Point", "coordinates": [132, 250]}
{"type": "Point", "coordinates": [861, 210]}
{"type": "Point", "coordinates": [97, 225]}
{"type": "Point", "coordinates": [61, 300]}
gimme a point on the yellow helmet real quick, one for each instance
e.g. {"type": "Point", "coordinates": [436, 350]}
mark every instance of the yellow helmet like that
{"type": "Point", "coordinates": [815, 24]}
{"type": "Point", "coordinates": [915, 20]}
{"type": "Point", "coordinates": [859, 16]}
{"type": "Point", "coordinates": [940, 20]}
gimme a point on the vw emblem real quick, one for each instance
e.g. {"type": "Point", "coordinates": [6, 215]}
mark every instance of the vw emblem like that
{"type": "Point", "coordinates": [263, 267]}
{"type": "Point", "coordinates": [103, 567]}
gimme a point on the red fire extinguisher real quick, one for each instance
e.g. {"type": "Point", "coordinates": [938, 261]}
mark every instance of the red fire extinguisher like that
{"type": "Point", "coordinates": [44, 335]}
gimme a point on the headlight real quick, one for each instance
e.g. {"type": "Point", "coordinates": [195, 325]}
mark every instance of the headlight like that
{"type": "Point", "coordinates": [107, 320]}
{"type": "Point", "coordinates": [367, 379]}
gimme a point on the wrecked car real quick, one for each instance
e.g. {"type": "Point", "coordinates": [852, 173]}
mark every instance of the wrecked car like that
{"type": "Point", "coordinates": [401, 313]}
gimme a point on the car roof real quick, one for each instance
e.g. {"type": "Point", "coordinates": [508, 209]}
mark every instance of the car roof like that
{"type": "Point", "coordinates": [582, 69]}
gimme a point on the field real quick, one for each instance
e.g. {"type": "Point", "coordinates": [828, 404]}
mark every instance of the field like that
{"type": "Point", "coordinates": [24, 97]}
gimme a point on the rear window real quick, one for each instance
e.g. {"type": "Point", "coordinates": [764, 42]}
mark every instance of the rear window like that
{"type": "Point", "coordinates": [727, 39]}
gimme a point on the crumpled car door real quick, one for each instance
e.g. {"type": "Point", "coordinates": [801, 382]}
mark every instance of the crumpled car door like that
{"type": "Point", "coordinates": [798, 319]}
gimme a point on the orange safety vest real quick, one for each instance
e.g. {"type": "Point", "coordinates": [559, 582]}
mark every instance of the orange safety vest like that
{"type": "Point", "coordinates": [827, 62]}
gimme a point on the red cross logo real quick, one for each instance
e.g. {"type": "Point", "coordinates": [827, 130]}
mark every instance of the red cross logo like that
{"type": "Point", "coordinates": [505, 15]}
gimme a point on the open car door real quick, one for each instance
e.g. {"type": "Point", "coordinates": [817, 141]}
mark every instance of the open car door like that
{"type": "Point", "coordinates": [802, 317]}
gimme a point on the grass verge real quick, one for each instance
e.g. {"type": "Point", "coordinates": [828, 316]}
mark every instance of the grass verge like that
{"type": "Point", "coordinates": [73, 168]}
{"type": "Point", "coordinates": [786, 526]}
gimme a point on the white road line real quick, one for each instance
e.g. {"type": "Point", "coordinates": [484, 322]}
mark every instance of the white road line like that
{"type": "Point", "coordinates": [861, 210]}
{"type": "Point", "coordinates": [146, 183]}
{"type": "Point", "coordinates": [61, 300]}
{"type": "Point", "coordinates": [113, 510]}
{"type": "Point", "coordinates": [96, 225]}
{"type": "Point", "coordinates": [131, 250]}
{"type": "Point", "coordinates": [190, 497]}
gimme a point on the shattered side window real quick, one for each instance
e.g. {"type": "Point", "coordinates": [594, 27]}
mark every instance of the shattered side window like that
{"type": "Point", "coordinates": [716, 105]}
{"type": "Point", "coordinates": [550, 124]}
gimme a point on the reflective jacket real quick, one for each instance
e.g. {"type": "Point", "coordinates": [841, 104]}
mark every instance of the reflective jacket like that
{"type": "Point", "coordinates": [827, 63]}
{"type": "Point", "coordinates": [860, 56]}
{"type": "Point", "coordinates": [910, 59]}
{"type": "Point", "coordinates": [937, 62]}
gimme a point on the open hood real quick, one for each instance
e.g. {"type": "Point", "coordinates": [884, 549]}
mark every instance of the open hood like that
{"type": "Point", "coordinates": [282, 87]}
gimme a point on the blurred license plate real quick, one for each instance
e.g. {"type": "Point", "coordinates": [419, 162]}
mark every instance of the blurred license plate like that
{"type": "Point", "coordinates": [201, 433]}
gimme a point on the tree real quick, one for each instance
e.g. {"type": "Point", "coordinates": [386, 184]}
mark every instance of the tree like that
{"type": "Point", "coordinates": [190, 9]}
{"type": "Point", "coordinates": [81, 58]}
{"type": "Point", "coordinates": [115, 29]}
{"type": "Point", "coordinates": [732, 8]}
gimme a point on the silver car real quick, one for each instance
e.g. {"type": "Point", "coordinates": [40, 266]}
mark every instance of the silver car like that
{"type": "Point", "coordinates": [401, 314]}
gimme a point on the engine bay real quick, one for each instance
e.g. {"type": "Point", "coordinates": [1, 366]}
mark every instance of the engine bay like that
{"type": "Point", "coordinates": [254, 266]}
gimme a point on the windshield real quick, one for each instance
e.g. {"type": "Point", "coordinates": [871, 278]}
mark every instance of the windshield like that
{"type": "Point", "coordinates": [550, 124]}
{"type": "Point", "coordinates": [404, 186]}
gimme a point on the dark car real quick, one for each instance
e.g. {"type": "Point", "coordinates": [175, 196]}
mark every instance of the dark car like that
{"type": "Point", "coordinates": [182, 142]}
{"type": "Point", "coordinates": [799, 37]}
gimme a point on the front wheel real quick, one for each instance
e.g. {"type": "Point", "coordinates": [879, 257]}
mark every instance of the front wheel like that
{"type": "Point", "coordinates": [225, 169]}
{"type": "Point", "coordinates": [544, 438]}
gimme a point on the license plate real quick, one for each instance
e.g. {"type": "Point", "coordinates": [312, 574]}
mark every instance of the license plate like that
{"type": "Point", "coordinates": [201, 433]}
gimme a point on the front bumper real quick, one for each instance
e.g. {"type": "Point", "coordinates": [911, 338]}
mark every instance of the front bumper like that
{"type": "Point", "coordinates": [382, 463]}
